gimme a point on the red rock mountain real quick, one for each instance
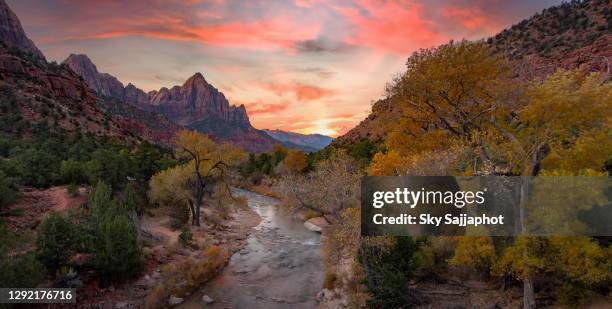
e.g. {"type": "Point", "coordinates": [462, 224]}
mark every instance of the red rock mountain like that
{"type": "Point", "coordinates": [571, 35]}
{"type": "Point", "coordinates": [51, 95]}
{"type": "Point", "coordinates": [196, 104]}
{"type": "Point", "coordinates": [103, 84]}
{"type": "Point", "coordinates": [12, 34]}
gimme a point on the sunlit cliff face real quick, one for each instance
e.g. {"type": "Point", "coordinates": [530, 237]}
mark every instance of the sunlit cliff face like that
{"type": "Point", "coordinates": [304, 66]}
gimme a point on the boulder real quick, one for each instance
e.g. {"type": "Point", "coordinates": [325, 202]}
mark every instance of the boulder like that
{"type": "Point", "coordinates": [316, 224]}
{"type": "Point", "coordinates": [207, 299]}
{"type": "Point", "coordinates": [173, 300]}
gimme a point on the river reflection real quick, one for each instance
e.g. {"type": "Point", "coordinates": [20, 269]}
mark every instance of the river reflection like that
{"type": "Point", "coordinates": [280, 266]}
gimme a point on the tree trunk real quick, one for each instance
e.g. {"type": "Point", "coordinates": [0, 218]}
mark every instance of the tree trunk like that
{"type": "Point", "coordinates": [198, 198]}
{"type": "Point", "coordinates": [528, 293]}
{"type": "Point", "coordinates": [366, 266]}
{"type": "Point", "coordinates": [528, 286]}
{"type": "Point", "coordinates": [193, 213]}
{"type": "Point", "coordinates": [196, 217]}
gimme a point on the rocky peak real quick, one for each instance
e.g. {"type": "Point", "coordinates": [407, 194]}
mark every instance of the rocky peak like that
{"type": "Point", "coordinates": [197, 78]}
{"type": "Point", "coordinates": [80, 63]}
{"type": "Point", "coordinates": [12, 34]}
{"type": "Point", "coordinates": [103, 83]}
{"type": "Point", "coordinates": [195, 104]}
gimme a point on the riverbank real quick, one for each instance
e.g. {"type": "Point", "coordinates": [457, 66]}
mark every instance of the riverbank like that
{"type": "Point", "coordinates": [280, 266]}
{"type": "Point", "coordinates": [174, 271]}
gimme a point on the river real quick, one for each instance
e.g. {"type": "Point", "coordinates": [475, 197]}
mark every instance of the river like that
{"type": "Point", "coordinates": [280, 266]}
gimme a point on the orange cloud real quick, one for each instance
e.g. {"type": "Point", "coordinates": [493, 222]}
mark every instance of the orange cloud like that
{"type": "Point", "coordinates": [280, 32]}
{"type": "Point", "coordinates": [469, 18]}
{"type": "Point", "coordinates": [270, 108]}
{"type": "Point", "coordinates": [395, 26]}
{"type": "Point", "coordinates": [301, 91]}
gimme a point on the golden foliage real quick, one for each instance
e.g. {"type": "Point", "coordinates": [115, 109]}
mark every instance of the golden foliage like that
{"type": "Point", "coordinates": [579, 258]}
{"type": "Point", "coordinates": [476, 253]}
{"type": "Point", "coordinates": [568, 114]}
{"type": "Point", "coordinates": [386, 164]}
{"type": "Point", "coordinates": [332, 186]}
{"type": "Point", "coordinates": [195, 146]}
{"type": "Point", "coordinates": [455, 87]}
{"type": "Point", "coordinates": [171, 186]}
{"type": "Point", "coordinates": [204, 170]}
{"type": "Point", "coordinates": [295, 162]}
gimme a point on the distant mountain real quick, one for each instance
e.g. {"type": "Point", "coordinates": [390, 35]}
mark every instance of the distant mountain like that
{"type": "Point", "coordinates": [195, 104]}
{"type": "Point", "coordinates": [307, 142]}
{"type": "Point", "coordinates": [12, 34]}
{"type": "Point", "coordinates": [572, 35]}
{"type": "Point", "coordinates": [38, 94]}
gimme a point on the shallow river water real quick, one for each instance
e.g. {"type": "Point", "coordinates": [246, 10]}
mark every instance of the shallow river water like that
{"type": "Point", "coordinates": [280, 266]}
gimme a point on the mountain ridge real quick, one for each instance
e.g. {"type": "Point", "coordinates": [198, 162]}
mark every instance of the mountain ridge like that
{"type": "Point", "coordinates": [584, 44]}
{"type": "Point", "coordinates": [45, 94]}
{"type": "Point", "coordinates": [12, 32]}
{"type": "Point", "coordinates": [307, 142]}
{"type": "Point", "coordinates": [195, 104]}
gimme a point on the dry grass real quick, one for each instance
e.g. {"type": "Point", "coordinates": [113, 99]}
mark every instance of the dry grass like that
{"type": "Point", "coordinates": [182, 278]}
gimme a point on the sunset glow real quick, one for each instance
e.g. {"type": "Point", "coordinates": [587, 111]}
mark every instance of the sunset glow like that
{"type": "Point", "coordinates": [307, 66]}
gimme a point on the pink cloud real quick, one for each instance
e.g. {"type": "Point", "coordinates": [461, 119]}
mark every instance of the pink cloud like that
{"type": "Point", "coordinates": [269, 108]}
{"type": "Point", "coordinates": [260, 34]}
{"type": "Point", "coordinates": [469, 18]}
{"type": "Point", "coordinates": [395, 26]}
{"type": "Point", "coordinates": [301, 91]}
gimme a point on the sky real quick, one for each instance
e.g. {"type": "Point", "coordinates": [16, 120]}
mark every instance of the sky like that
{"type": "Point", "coordinates": [306, 66]}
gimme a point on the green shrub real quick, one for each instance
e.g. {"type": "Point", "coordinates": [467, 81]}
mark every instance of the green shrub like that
{"type": "Point", "coordinates": [572, 293]}
{"type": "Point", "coordinates": [36, 167]}
{"type": "Point", "coordinates": [100, 203]}
{"type": "Point", "coordinates": [7, 193]}
{"type": "Point", "coordinates": [390, 268]}
{"type": "Point", "coordinates": [111, 166]}
{"type": "Point", "coordinates": [131, 200]}
{"type": "Point", "coordinates": [185, 237]}
{"type": "Point", "coordinates": [20, 269]}
{"type": "Point", "coordinates": [73, 189]}
{"type": "Point", "coordinates": [71, 171]}
{"type": "Point", "coordinates": [56, 241]}
{"type": "Point", "coordinates": [179, 216]}
{"type": "Point", "coordinates": [117, 252]}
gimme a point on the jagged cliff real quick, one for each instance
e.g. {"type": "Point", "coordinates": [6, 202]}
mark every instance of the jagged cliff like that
{"type": "Point", "coordinates": [12, 34]}
{"type": "Point", "coordinates": [55, 96]}
{"type": "Point", "coordinates": [196, 104]}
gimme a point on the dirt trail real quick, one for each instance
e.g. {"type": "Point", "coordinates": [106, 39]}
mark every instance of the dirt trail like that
{"type": "Point", "coordinates": [35, 204]}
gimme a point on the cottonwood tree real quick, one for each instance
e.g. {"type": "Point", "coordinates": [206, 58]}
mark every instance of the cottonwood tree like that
{"type": "Point", "coordinates": [295, 162]}
{"type": "Point", "coordinates": [207, 166]}
{"type": "Point", "coordinates": [567, 109]}
{"type": "Point", "coordinates": [449, 93]}
{"type": "Point", "coordinates": [332, 186]}
{"type": "Point", "coordinates": [563, 116]}
{"type": "Point", "coordinates": [460, 93]}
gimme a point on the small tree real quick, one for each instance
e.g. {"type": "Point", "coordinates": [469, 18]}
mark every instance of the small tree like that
{"type": "Point", "coordinates": [117, 252]}
{"type": "Point", "coordinates": [190, 182]}
{"type": "Point", "coordinates": [56, 240]}
{"type": "Point", "coordinates": [332, 186]}
{"type": "Point", "coordinates": [295, 162]}
{"type": "Point", "coordinates": [7, 193]}
{"type": "Point", "coordinates": [131, 200]}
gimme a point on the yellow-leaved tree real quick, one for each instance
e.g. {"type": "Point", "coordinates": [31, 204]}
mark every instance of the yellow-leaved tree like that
{"type": "Point", "coordinates": [461, 96]}
{"type": "Point", "coordinates": [295, 162]}
{"type": "Point", "coordinates": [205, 168]}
